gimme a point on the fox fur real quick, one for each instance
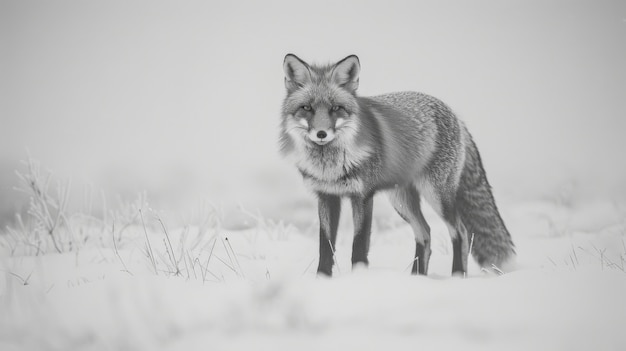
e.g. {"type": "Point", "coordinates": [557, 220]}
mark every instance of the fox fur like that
{"type": "Point", "coordinates": [408, 144]}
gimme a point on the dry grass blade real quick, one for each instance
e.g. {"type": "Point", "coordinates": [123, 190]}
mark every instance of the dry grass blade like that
{"type": "Point", "coordinates": [168, 248]}
{"type": "Point", "coordinates": [148, 245]}
{"type": "Point", "coordinates": [117, 253]}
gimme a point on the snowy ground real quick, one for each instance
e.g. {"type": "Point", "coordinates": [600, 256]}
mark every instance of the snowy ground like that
{"type": "Point", "coordinates": [255, 289]}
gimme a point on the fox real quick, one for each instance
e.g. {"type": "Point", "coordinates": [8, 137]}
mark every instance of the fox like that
{"type": "Point", "coordinates": [407, 144]}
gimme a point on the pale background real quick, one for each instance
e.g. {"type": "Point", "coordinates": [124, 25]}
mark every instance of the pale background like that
{"type": "Point", "coordinates": [182, 99]}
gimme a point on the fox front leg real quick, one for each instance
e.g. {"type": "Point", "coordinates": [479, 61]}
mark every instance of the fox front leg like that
{"type": "Point", "coordinates": [362, 217]}
{"type": "Point", "coordinates": [329, 207]}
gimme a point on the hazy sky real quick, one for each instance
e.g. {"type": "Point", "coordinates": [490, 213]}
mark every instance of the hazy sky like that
{"type": "Point", "coordinates": [183, 98]}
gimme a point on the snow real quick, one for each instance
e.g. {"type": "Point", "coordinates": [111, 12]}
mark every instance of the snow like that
{"type": "Point", "coordinates": [182, 103]}
{"type": "Point", "coordinates": [256, 289]}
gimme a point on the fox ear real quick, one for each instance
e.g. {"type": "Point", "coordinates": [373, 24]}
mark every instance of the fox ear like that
{"type": "Point", "coordinates": [346, 72]}
{"type": "Point", "coordinates": [297, 72]}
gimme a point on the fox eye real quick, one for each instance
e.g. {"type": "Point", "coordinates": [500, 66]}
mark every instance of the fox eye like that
{"type": "Point", "coordinates": [335, 108]}
{"type": "Point", "coordinates": [306, 107]}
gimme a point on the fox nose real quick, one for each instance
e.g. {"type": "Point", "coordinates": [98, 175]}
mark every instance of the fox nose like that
{"type": "Point", "coordinates": [321, 137]}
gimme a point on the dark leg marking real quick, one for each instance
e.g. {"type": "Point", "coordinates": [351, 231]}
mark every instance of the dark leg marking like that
{"type": "Point", "coordinates": [406, 201]}
{"type": "Point", "coordinates": [329, 208]}
{"type": "Point", "coordinates": [362, 216]}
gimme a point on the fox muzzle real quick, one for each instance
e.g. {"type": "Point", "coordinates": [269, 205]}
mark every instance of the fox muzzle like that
{"type": "Point", "coordinates": [321, 136]}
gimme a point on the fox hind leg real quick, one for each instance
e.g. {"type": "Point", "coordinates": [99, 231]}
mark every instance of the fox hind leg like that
{"type": "Point", "coordinates": [406, 201]}
{"type": "Point", "coordinates": [459, 236]}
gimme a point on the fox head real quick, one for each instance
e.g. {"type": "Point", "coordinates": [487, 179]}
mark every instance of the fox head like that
{"type": "Point", "coordinates": [321, 105]}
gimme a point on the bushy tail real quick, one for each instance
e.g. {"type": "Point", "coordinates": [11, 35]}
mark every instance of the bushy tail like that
{"type": "Point", "coordinates": [492, 243]}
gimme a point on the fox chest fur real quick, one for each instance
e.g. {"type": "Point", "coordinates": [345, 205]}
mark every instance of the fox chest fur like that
{"type": "Point", "coordinates": [333, 169]}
